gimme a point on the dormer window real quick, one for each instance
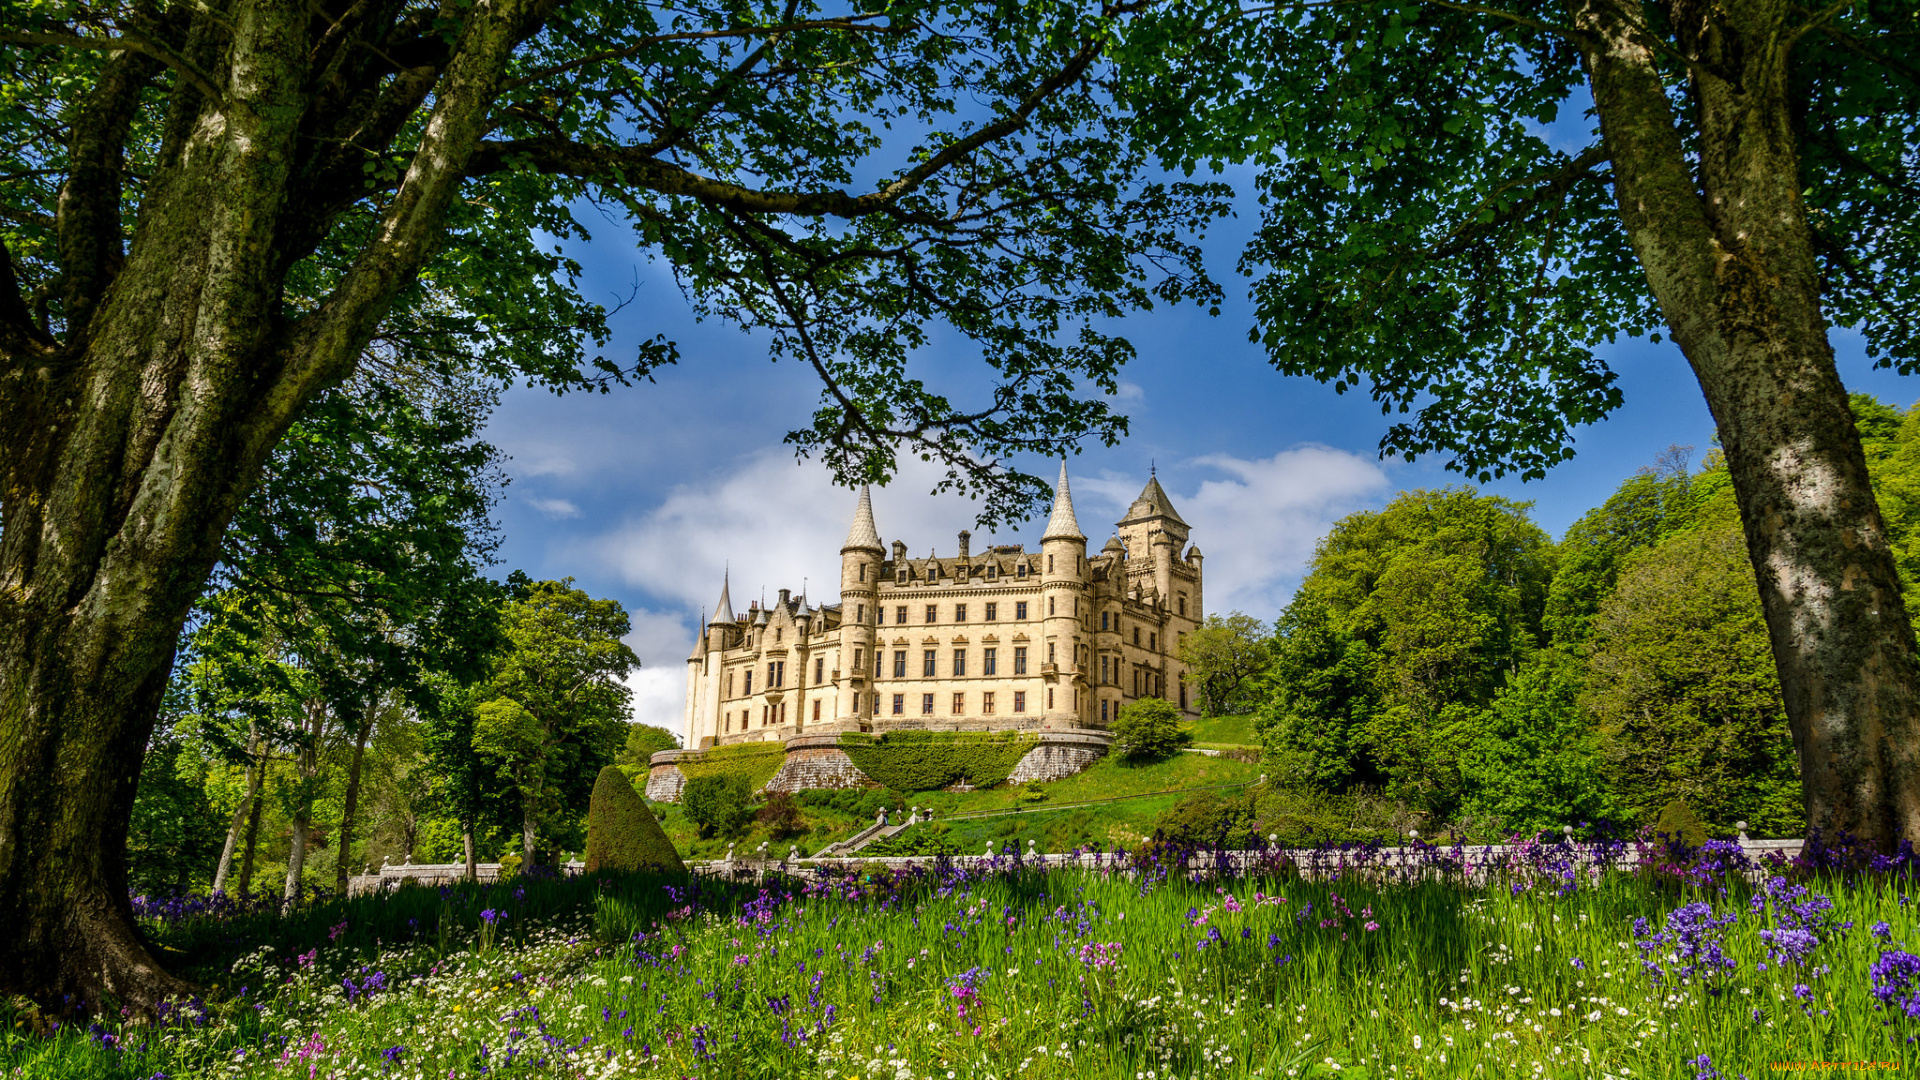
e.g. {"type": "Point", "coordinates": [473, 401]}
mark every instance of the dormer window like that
{"type": "Point", "coordinates": [992, 572]}
{"type": "Point", "coordinates": [1022, 572]}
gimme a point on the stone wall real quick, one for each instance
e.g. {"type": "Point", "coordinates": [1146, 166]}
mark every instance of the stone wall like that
{"type": "Point", "coordinates": [816, 762]}
{"type": "Point", "coordinates": [1059, 755]}
{"type": "Point", "coordinates": [664, 778]}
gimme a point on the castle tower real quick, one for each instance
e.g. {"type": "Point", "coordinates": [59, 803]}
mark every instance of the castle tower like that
{"type": "Point", "coordinates": [860, 559]}
{"type": "Point", "coordinates": [703, 720]}
{"type": "Point", "coordinates": [1063, 585]}
{"type": "Point", "coordinates": [1149, 527]}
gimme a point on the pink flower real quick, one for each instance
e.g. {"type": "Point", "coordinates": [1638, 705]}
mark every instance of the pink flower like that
{"type": "Point", "coordinates": [1371, 925]}
{"type": "Point", "coordinates": [741, 960]}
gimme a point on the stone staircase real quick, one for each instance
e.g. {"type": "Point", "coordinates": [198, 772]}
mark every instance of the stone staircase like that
{"type": "Point", "coordinates": [842, 848]}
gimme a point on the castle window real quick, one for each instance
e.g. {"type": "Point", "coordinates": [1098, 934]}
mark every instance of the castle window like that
{"type": "Point", "coordinates": [1019, 701]}
{"type": "Point", "coordinates": [1183, 603]}
{"type": "Point", "coordinates": [816, 710]}
{"type": "Point", "coordinates": [959, 613]}
{"type": "Point", "coordinates": [960, 704]}
{"type": "Point", "coordinates": [729, 684]}
{"type": "Point", "coordinates": [901, 576]}
{"type": "Point", "coordinates": [926, 704]}
{"type": "Point", "coordinates": [1049, 564]}
{"type": "Point", "coordinates": [1050, 652]}
{"type": "Point", "coordinates": [1153, 642]}
{"type": "Point", "coordinates": [862, 617]}
{"type": "Point", "coordinates": [989, 661]}
{"type": "Point", "coordinates": [926, 663]}
{"type": "Point", "coordinates": [819, 669]}
{"type": "Point", "coordinates": [1183, 697]}
{"type": "Point", "coordinates": [863, 571]}
{"type": "Point", "coordinates": [1020, 609]}
{"type": "Point", "coordinates": [933, 614]}
{"type": "Point", "coordinates": [986, 703]}
{"type": "Point", "coordinates": [1136, 637]}
{"type": "Point", "coordinates": [1103, 669]}
{"type": "Point", "coordinates": [859, 659]}
{"type": "Point", "coordinates": [993, 612]}
{"type": "Point", "coordinates": [764, 710]}
{"type": "Point", "coordinates": [856, 701]}
{"type": "Point", "coordinates": [726, 721]}
{"type": "Point", "coordinates": [1019, 659]}
{"type": "Point", "coordinates": [993, 571]}
{"type": "Point", "coordinates": [1103, 712]}
{"type": "Point", "coordinates": [777, 632]}
{"type": "Point", "coordinates": [1103, 620]}
{"type": "Point", "coordinates": [1049, 697]}
{"type": "Point", "coordinates": [959, 663]}
{"type": "Point", "coordinates": [876, 704]}
{"type": "Point", "coordinates": [877, 661]}
{"type": "Point", "coordinates": [899, 663]}
{"type": "Point", "coordinates": [1021, 571]}
{"type": "Point", "coordinates": [1049, 605]}
{"type": "Point", "coordinates": [899, 704]}
{"type": "Point", "coordinates": [749, 682]}
{"type": "Point", "coordinates": [900, 614]}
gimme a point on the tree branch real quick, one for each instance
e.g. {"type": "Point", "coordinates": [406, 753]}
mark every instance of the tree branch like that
{"type": "Point", "coordinates": [844, 23]}
{"type": "Point", "coordinates": [153, 49]}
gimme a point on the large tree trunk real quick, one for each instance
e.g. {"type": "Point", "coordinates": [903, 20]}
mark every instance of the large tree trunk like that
{"type": "Point", "coordinates": [351, 802]}
{"type": "Point", "coordinates": [1729, 255]}
{"type": "Point", "coordinates": [241, 814]}
{"type": "Point", "coordinates": [466, 846]}
{"type": "Point", "coordinates": [126, 446]}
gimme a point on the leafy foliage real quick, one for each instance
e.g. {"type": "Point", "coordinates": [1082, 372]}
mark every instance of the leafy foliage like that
{"type": "Point", "coordinates": [1148, 729]}
{"type": "Point", "coordinates": [718, 803]}
{"type": "Point", "coordinates": [1221, 658]}
{"type": "Point", "coordinates": [753, 763]}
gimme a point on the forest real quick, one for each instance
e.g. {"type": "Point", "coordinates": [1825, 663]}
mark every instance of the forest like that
{"type": "Point", "coordinates": [1447, 655]}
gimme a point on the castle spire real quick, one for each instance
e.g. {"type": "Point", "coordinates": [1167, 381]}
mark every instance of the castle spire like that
{"type": "Point", "coordinates": [723, 611]}
{"type": "Point", "coordinates": [863, 535]}
{"type": "Point", "coordinates": [1061, 525]}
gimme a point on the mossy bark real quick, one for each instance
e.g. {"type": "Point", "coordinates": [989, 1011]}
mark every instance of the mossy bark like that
{"type": "Point", "coordinates": [1722, 233]}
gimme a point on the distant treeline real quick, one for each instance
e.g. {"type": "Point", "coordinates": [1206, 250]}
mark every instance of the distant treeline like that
{"type": "Point", "coordinates": [1445, 652]}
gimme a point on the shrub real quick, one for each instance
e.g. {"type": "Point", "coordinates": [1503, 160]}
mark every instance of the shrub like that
{"type": "Point", "coordinates": [509, 864]}
{"type": "Point", "coordinates": [1210, 819]}
{"type": "Point", "coordinates": [621, 832]}
{"type": "Point", "coordinates": [1148, 729]}
{"type": "Point", "coordinates": [1679, 822]}
{"type": "Point", "coordinates": [1035, 792]}
{"type": "Point", "coordinates": [717, 803]}
{"type": "Point", "coordinates": [781, 816]}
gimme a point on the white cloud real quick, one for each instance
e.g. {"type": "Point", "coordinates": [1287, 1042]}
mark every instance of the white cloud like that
{"type": "Point", "coordinates": [555, 508]}
{"type": "Point", "coordinates": [1258, 525]}
{"type": "Point", "coordinates": [1130, 392]}
{"type": "Point", "coordinates": [530, 459]}
{"type": "Point", "coordinates": [771, 523]}
{"type": "Point", "coordinates": [661, 640]}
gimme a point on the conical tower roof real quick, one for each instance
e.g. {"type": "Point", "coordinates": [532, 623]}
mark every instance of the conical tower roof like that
{"type": "Point", "coordinates": [1061, 524]}
{"type": "Point", "coordinates": [699, 643]}
{"type": "Point", "coordinates": [1152, 503]}
{"type": "Point", "coordinates": [863, 536]}
{"type": "Point", "coordinates": [723, 611]}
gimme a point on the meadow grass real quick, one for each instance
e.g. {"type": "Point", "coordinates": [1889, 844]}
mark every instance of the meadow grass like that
{"type": "Point", "coordinates": [1004, 970]}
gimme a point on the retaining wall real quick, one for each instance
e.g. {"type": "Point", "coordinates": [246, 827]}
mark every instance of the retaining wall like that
{"type": "Point", "coordinates": [817, 763]}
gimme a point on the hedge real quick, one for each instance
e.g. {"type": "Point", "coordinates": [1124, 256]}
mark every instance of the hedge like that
{"type": "Point", "coordinates": [753, 762]}
{"type": "Point", "coordinates": [930, 760]}
{"type": "Point", "coordinates": [621, 832]}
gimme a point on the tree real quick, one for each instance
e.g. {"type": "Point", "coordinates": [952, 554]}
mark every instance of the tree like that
{"type": "Point", "coordinates": [622, 833]}
{"type": "Point", "coordinates": [1535, 762]}
{"type": "Point", "coordinates": [1409, 622]}
{"type": "Point", "coordinates": [1682, 685]}
{"type": "Point", "coordinates": [644, 741]}
{"type": "Point", "coordinates": [1434, 227]}
{"type": "Point", "coordinates": [563, 707]}
{"type": "Point", "coordinates": [214, 214]}
{"type": "Point", "coordinates": [1221, 656]}
{"type": "Point", "coordinates": [718, 803]}
{"type": "Point", "coordinates": [1148, 729]}
{"type": "Point", "coordinates": [1645, 510]}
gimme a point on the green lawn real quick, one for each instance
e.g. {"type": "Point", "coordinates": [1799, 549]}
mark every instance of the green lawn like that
{"type": "Point", "coordinates": [1227, 730]}
{"type": "Point", "coordinates": [1057, 830]}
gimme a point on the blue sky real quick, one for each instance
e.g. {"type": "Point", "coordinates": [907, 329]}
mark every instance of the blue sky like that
{"type": "Point", "coordinates": [647, 494]}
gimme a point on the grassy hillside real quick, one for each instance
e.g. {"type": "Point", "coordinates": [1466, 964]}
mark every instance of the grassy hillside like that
{"type": "Point", "coordinates": [829, 816]}
{"type": "Point", "coordinates": [1224, 731]}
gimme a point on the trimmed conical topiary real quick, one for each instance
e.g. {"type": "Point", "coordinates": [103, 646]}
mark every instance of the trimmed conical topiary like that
{"type": "Point", "coordinates": [622, 833]}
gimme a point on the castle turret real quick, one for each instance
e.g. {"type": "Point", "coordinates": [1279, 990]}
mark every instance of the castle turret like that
{"type": "Point", "coordinates": [860, 559]}
{"type": "Point", "coordinates": [1063, 584]}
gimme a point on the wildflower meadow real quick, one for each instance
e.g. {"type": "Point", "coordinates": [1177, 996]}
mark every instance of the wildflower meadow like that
{"type": "Point", "coordinates": [1541, 960]}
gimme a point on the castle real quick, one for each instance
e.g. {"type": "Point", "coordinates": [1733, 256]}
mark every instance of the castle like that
{"type": "Point", "coordinates": [1000, 640]}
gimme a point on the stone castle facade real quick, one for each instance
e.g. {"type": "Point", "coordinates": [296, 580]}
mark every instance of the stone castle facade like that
{"type": "Point", "coordinates": [1050, 641]}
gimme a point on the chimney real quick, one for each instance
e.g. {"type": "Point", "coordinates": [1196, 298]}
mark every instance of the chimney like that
{"type": "Point", "coordinates": [786, 596]}
{"type": "Point", "coordinates": [965, 536]}
{"type": "Point", "coordinates": [899, 551]}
